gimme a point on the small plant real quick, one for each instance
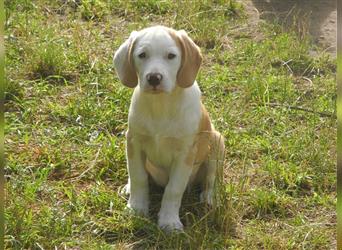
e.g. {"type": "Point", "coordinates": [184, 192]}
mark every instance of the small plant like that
{"type": "Point", "coordinates": [13, 90]}
{"type": "Point", "coordinates": [152, 6]}
{"type": "Point", "coordinates": [93, 9]}
{"type": "Point", "coordinates": [265, 203]}
{"type": "Point", "coordinates": [49, 63]}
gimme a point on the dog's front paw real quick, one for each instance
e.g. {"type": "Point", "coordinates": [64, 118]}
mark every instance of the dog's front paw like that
{"type": "Point", "coordinates": [170, 223]}
{"type": "Point", "coordinates": [125, 191]}
{"type": "Point", "coordinates": [138, 208]}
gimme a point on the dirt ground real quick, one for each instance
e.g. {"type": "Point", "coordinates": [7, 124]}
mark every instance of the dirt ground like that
{"type": "Point", "coordinates": [318, 17]}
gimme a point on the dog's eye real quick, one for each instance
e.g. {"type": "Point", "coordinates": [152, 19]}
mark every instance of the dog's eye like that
{"type": "Point", "coordinates": [142, 55]}
{"type": "Point", "coordinates": [171, 56]}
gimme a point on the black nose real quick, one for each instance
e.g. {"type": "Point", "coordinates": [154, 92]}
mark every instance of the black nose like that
{"type": "Point", "coordinates": [154, 79]}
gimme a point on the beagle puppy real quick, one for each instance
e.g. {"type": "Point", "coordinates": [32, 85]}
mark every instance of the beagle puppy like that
{"type": "Point", "coordinates": [170, 136]}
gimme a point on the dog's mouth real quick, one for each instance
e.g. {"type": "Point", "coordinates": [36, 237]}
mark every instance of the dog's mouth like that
{"type": "Point", "coordinates": [154, 90]}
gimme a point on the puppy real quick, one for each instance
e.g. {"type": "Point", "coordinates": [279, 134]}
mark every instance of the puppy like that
{"type": "Point", "coordinates": [170, 136]}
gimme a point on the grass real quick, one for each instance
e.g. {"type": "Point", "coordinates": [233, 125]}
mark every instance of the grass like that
{"type": "Point", "coordinates": [66, 113]}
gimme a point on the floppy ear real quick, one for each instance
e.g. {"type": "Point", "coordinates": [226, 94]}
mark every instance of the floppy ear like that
{"type": "Point", "coordinates": [191, 60]}
{"type": "Point", "coordinates": [123, 62]}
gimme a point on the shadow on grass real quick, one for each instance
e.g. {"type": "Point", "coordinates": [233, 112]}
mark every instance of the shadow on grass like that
{"type": "Point", "coordinates": [286, 11]}
{"type": "Point", "coordinates": [201, 225]}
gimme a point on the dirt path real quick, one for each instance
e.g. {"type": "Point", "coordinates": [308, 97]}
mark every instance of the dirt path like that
{"type": "Point", "coordinates": [318, 17]}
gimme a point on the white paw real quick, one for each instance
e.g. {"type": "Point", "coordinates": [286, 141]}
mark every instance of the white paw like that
{"type": "Point", "coordinates": [170, 223]}
{"type": "Point", "coordinates": [125, 191]}
{"type": "Point", "coordinates": [207, 197]}
{"type": "Point", "coordinates": [138, 208]}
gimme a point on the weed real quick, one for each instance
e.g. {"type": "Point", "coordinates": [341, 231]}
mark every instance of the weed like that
{"type": "Point", "coordinates": [48, 63]}
{"type": "Point", "coordinates": [13, 90]}
{"type": "Point", "coordinates": [93, 9]}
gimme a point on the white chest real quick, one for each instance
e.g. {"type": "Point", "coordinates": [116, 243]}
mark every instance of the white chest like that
{"type": "Point", "coordinates": [164, 151]}
{"type": "Point", "coordinates": [165, 124]}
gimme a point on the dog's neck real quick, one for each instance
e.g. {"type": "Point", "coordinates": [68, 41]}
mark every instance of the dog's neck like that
{"type": "Point", "coordinates": [167, 104]}
{"type": "Point", "coordinates": [172, 115]}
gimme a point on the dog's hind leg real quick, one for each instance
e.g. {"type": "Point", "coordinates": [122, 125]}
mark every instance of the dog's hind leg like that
{"type": "Point", "coordinates": [215, 160]}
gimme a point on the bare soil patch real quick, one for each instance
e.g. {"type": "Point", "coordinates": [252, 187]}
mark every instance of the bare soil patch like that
{"type": "Point", "coordinates": [317, 17]}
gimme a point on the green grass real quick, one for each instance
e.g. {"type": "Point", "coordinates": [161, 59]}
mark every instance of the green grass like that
{"type": "Point", "coordinates": [66, 113]}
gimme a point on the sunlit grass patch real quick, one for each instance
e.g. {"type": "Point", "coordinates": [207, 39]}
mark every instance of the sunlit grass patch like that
{"type": "Point", "coordinates": [49, 63]}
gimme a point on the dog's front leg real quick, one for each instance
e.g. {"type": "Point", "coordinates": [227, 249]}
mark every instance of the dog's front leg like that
{"type": "Point", "coordinates": [172, 198]}
{"type": "Point", "coordinates": [138, 178]}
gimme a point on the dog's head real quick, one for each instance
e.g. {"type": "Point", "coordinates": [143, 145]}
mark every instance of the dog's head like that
{"type": "Point", "coordinates": [157, 59]}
